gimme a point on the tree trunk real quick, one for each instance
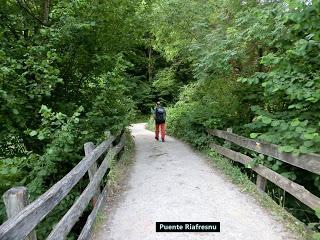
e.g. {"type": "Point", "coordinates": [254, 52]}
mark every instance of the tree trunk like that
{"type": "Point", "coordinates": [46, 9]}
{"type": "Point", "coordinates": [150, 64]}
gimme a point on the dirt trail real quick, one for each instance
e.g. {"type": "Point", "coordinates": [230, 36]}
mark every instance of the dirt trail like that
{"type": "Point", "coordinates": [169, 182]}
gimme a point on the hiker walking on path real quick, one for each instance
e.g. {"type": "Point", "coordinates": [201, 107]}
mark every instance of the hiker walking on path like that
{"type": "Point", "coordinates": [160, 119]}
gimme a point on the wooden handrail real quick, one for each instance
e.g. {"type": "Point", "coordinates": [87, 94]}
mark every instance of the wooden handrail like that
{"type": "Point", "coordinates": [310, 162]}
{"type": "Point", "coordinates": [19, 226]}
{"type": "Point", "coordinates": [86, 230]}
{"type": "Point", "coordinates": [65, 225]}
{"type": "Point", "coordinates": [291, 187]}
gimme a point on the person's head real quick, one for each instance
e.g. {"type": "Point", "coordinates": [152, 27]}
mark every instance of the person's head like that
{"type": "Point", "coordinates": [158, 103]}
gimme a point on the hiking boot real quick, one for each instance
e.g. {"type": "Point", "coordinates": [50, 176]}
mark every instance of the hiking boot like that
{"type": "Point", "coordinates": [156, 138]}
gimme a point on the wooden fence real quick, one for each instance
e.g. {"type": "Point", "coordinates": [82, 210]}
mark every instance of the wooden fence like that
{"type": "Point", "coordinates": [310, 162]}
{"type": "Point", "coordinates": [21, 225]}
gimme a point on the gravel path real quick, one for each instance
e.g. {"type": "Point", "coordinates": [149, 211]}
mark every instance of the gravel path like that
{"type": "Point", "coordinates": [169, 182]}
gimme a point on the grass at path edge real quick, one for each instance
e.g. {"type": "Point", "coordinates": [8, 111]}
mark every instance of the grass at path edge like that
{"type": "Point", "coordinates": [118, 172]}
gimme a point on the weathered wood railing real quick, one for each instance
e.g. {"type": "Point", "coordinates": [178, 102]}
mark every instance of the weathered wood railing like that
{"type": "Point", "coordinates": [18, 227]}
{"type": "Point", "coordinates": [310, 162]}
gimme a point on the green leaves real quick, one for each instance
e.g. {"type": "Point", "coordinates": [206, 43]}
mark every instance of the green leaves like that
{"type": "Point", "coordinates": [310, 136]}
{"type": "Point", "coordinates": [290, 104]}
{"type": "Point", "coordinates": [290, 175]}
{"type": "Point", "coordinates": [317, 212]}
{"type": "Point", "coordinates": [295, 122]}
{"type": "Point", "coordinates": [256, 69]}
{"type": "Point", "coordinates": [286, 149]}
{"type": "Point", "coordinates": [266, 120]}
{"type": "Point", "coordinates": [254, 135]}
{"type": "Point", "coordinates": [33, 133]}
{"type": "Point", "coordinates": [253, 67]}
{"type": "Point", "coordinates": [54, 91]}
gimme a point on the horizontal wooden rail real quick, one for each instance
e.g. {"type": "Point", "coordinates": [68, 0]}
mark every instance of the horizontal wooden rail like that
{"type": "Point", "coordinates": [65, 225]}
{"type": "Point", "coordinates": [19, 226]}
{"type": "Point", "coordinates": [291, 187]}
{"type": "Point", "coordinates": [87, 229]}
{"type": "Point", "coordinates": [310, 162]}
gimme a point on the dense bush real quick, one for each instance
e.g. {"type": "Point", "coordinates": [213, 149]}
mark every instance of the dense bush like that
{"type": "Point", "coordinates": [63, 82]}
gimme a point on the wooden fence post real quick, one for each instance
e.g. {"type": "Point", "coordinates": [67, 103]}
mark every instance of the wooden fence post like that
{"type": "Point", "coordinates": [16, 199]}
{"type": "Point", "coordinates": [88, 148]}
{"type": "Point", "coordinates": [261, 183]}
{"type": "Point", "coordinates": [226, 142]}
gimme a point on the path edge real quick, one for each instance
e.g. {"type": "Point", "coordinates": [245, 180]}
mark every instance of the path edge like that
{"type": "Point", "coordinates": [117, 181]}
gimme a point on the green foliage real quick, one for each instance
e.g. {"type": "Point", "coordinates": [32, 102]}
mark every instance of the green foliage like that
{"type": "Point", "coordinates": [250, 65]}
{"type": "Point", "coordinates": [290, 114]}
{"type": "Point", "coordinates": [62, 83]}
{"type": "Point", "coordinates": [166, 84]}
{"type": "Point", "coordinates": [171, 25]}
{"type": "Point", "coordinates": [255, 69]}
{"type": "Point", "coordinates": [204, 105]}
